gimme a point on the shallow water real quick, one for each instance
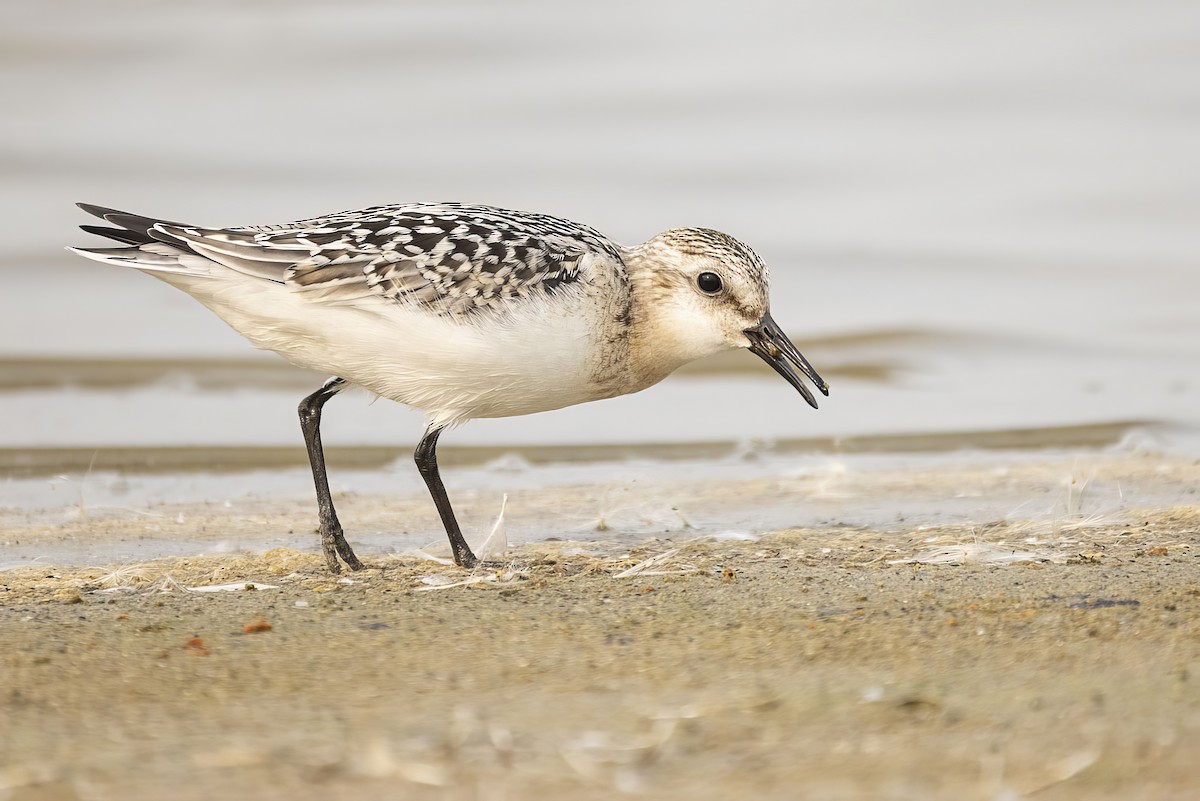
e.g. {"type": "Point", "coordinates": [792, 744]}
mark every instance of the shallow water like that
{"type": "Point", "coordinates": [103, 517]}
{"type": "Point", "coordinates": [977, 222]}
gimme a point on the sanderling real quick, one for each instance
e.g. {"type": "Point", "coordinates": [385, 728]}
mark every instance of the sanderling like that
{"type": "Point", "coordinates": [463, 312]}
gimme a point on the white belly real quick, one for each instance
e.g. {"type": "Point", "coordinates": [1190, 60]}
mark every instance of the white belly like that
{"type": "Point", "coordinates": [541, 356]}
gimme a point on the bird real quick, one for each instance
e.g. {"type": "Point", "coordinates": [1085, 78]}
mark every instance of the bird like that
{"type": "Point", "coordinates": [463, 312]}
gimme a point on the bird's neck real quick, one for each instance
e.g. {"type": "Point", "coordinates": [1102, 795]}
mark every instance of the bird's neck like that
{"type": "Point", "coordinates": [657, 344]}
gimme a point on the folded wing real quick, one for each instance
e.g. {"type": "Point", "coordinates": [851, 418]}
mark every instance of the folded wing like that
{"type": "Point", "coordinates": [454, 259]}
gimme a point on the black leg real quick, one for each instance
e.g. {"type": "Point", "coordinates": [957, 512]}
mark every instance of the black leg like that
{"type": "Point", "coordinates": [333, 542]}
{"type": "Point", "coordinates": [426, 458]}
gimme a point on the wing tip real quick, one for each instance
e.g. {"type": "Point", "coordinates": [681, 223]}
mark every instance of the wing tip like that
{"type": "Point", "coordinates": [96, 211]}
{"type": "Point", "coordinates": [123, 235]}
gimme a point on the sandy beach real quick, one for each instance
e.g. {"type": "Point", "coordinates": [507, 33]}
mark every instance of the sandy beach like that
{"type": "Point", "coordinates": [1053, 658]}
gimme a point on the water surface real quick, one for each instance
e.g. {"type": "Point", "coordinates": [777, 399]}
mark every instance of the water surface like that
{"type": "Point", "coordinates": [981, 224]}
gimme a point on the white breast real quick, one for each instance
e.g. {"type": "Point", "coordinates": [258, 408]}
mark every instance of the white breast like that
{"type": "Point", "coordinates": [541, 355]}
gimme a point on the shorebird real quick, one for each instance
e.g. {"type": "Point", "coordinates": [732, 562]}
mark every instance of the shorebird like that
{"type": "Point", "coordinates": [463, 312]}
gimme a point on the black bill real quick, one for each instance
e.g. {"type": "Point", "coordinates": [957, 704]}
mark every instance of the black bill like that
{"type": "Point", "coordinates": [771, 345]}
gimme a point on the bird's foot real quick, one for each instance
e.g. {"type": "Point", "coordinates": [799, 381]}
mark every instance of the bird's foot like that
{"type": "Point", "coordinates": [333, 545]}
{"type": "Point", "coordinates": [464, 558]}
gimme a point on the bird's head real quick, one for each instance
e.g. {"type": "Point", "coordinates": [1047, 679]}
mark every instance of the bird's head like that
{"type": "Point", "coordinates": [707, 293]}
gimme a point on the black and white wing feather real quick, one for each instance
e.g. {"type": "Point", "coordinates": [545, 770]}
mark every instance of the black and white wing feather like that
{"type": "Point", "coordinates": [454, 259]}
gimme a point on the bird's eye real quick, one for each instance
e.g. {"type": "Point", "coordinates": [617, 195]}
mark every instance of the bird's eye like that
{"type": "Point", "coordinates": [709, 283]}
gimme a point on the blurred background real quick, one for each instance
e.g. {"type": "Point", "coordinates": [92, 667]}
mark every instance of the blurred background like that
{"type": "Point", "coordinates": [983, 220]}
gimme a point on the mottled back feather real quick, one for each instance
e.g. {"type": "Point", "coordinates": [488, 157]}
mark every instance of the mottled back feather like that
{"type": "Point", "coordinates": [454, 258]}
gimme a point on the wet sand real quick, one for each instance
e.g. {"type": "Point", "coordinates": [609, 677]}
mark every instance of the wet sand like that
{"type": "Point", "coordinates": [1054, 657]}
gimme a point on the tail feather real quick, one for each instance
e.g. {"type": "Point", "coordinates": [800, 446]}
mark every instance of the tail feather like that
{"type": "Point", "coordinates": [151, 249]}
{"type": "Point", "coordinates": [181, 264]}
